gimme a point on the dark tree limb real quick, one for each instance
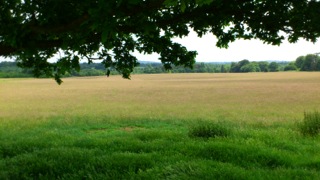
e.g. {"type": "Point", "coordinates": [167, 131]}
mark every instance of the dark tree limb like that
{"type": "Point", "coordinates": [61, 28]}
{"type": "Point", "coordinates": [6, 50]}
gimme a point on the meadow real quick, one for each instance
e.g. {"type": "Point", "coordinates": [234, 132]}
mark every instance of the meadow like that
{"type": "Point", "coordinates": [145, 128]}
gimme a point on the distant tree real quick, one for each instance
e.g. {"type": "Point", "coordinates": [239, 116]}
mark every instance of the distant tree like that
{"type": "Point", "coordinates": [223, 69]}
{"type": "Point", "coordinates": [236, 67]}
{"type": "Point", "coordinates": [299, 62]}
{"type": "Point", "coordinates": [310, 63]}
{"type": "Point", "coordinates": [257, 67]}
{"type": "Point", "coordinates": [201, 67]}
{"type": "Point", "coordinates": [318, 64]}
{"type": "Point", "coordinates": [251, 67]}
{"type": "Point", "coordinates": [149, 69]}
{"type": "Point", "coordinates": [227, 67]}
{"type": "Point", "coordinates": [91, 72]}
{"type": "Point", "coordinates": [247, 68]}
{"type": "Point", "coordinates": [273, 67]}
{"type": "Point", "coordinates": [264, 66]}
{"type": "Point", "coordinates": [290, 67]}
{"type": "Point", "coordinates": [243, 62]}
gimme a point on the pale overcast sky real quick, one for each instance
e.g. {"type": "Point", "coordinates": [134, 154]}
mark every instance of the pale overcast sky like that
{"type": "Point", "coordinates": [253, 50]}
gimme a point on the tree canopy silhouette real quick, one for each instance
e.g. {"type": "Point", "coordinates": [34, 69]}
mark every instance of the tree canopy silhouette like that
{"type": "Point", "coordinates": [33, 31]}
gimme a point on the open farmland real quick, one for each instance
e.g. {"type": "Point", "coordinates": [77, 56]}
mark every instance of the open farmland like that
{"type": "Point", "coordinates": [115, 128]}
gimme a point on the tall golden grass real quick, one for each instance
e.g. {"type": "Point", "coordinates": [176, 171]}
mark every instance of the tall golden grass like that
{"type": "Point", "coordinates": [251, 97]}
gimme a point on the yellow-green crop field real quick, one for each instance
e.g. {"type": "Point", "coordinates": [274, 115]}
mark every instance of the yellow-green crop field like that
{"type": "Point", "coordinates": [113, 128]}
{"type": "Point", "coordinates": [252, 97]}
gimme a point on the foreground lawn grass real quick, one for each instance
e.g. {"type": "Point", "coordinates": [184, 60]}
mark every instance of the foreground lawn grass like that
{"type": "Point", "coordinates": [157, 149]}
{"type": "Point", "coordinates": [103, 128]}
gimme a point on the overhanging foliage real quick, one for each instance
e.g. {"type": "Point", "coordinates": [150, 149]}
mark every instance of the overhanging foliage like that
{"type": "Point", "coordinates": [33, 31]}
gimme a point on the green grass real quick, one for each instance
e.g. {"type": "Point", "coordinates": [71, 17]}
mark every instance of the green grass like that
{"type": "Point", "coordinates": [156, 128]}
{"type": "Point", "coordinates": [202, 129]}
{"type": "Point", "coordinates": [156, 149]}
{"type": "Point", "coordinates": [310, 126]}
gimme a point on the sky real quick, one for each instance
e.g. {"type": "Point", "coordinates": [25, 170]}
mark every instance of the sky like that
{"type": "Point", "coordinates": [253, 50]}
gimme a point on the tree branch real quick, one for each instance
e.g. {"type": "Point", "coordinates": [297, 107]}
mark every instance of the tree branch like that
{"type": "Point", "coordinates": [6, 50]}
{"type": "Point", "coordinates": [61, 28]}
{"type": "Point", "coordinates": [77, 22]}
{"type": "Point", "coordinates": [150, 6]}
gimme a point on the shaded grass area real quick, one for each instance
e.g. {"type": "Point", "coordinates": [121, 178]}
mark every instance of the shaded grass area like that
{"type": "Point", "coordinates": [98, 148]}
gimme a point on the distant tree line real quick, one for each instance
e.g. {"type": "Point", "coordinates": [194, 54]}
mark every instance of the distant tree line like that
{"type": "Point", "coordinates": [261, 66]}
{"type": "Point", "coordinates": [12, 70]}
{"type": "Point", "coordinates": [155, 68]}
{"type": "Point", "coordinates": [309, 62]}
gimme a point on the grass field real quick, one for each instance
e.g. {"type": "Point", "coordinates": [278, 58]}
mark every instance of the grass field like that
{"type": "Point", "coordinates": [111, 128]}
